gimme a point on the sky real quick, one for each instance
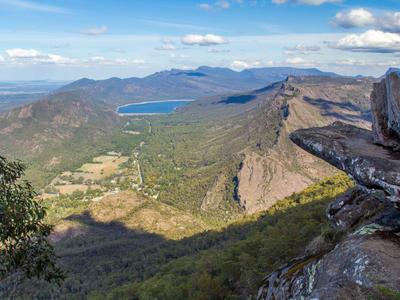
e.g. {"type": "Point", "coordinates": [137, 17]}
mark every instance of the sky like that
{"type": "Point", "coordinates": [71, 39]}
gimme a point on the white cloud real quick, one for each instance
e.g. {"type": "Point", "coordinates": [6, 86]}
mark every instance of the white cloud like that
{"type": "Point", "coordinates": [205, 6]}
{"type": "Point", "coordinates": [359, 17]}
{"type": "Point", "coordinates": [95, 30]}
{"type": "Point", "coordinates": [22, 53]}
{"type": "Point", "coordinates": [179, 56]}
{"type": "Point", "coordinates": [307, 2]}
{"type": "Point", "coordinates": [138, 61]}
{"type": "Point", "coordinates": [19, 55]}
{"type": "Point", "coordinates": [365, 63]}
{"type": "Point", "coordinates": [101, 60]}
{"type": "Point", "coordinates": [301, 49]}
{"type": "Point", "coordinates": [1, 58]}
{"type": "Point", "coordinates": [33, 6]}
{"type": "Point", "coordinates": [97, 59]}
{"type": "Point", "coordinates": [390, 22]}
{"type": "Point", "coordinates": [58, 59]}
{"type": "Point", "coordinates": [241, 64]}
{"type": "Point", "coordinates": [370, 41]}
{"type": "Point", "coordinates": [298, 61]}
{"type": "Point", "coordinates": [224, 4]}
{"type": "Point", "coordinates": [203, 40]}
{"type": "Point", "coordinates": [215, 50]}
{"type": "Point", "coordinates": [219, 4]}
{"type": "Point", "coordinates": [167, 45]}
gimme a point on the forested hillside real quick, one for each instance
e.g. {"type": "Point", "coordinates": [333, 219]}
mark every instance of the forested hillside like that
{"type": "Point", "coordinates": [114, 248]}
{"type": "Point", "coordinates": [235, 149]}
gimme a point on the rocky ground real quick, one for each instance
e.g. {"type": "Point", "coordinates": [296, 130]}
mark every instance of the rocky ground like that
{"type": "Point", "coordinates": [363, 260]}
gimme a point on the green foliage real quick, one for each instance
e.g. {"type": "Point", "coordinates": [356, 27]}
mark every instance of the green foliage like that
{"type": "Point", "coordinates": [24, 248]}
{"type": "Point", "coordinates": [65, 205]}
{"type": "Point", "coordinates": [57, 157]}
{"type": "Point", "coordinates": [233, 268]}
{"type": "Point", "coordinates": [111, 260]}
{"type": "Point", "coordinates": [183, 156]}
{"type": "Point", "coordinates": [138, 125]}
{"type": "Point", "coordinates": [385, 293]}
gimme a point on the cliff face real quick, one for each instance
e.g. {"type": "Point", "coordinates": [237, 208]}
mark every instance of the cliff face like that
{"type": "Point", "coordinates": [265, 178]}
{"type": "Point", "coordinates": [385, 106]}
{"type": "Point", "coordinates": [365, 262]}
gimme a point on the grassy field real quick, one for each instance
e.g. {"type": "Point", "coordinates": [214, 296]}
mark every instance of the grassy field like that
{"type": "Point", "coordinates": [103, 172]}
{"type": "Point", "coordinates": [103, 166]}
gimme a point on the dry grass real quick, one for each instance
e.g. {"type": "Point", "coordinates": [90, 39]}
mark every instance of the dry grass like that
{"type": "Point", "coordinates": [70, 188]}
{"type": "Point", "coordinates": [139, 212]}
{"type": "Point", "coordinates": [103, 167]}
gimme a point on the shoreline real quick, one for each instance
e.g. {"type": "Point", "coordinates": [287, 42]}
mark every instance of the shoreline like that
{"type": "Point", "coordinates": [140, 114]}
{"type": "Point", "coordinates": [157, 101]}
{"type": "Point", "coordinates": [149, 102]}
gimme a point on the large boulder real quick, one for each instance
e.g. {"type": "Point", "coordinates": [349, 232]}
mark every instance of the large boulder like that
{"type": "Point", "coordinates": [385, 108]}
{"type": "Point", "coordinates": [354, 207]}
{"type": "Point", "coordinates": [352, 150]}
{"type": "Point", "coordinates": [365, 265]}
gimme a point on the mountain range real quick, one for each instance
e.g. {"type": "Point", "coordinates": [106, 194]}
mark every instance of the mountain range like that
{"type": "Point", "coordinates": [178, 84]}
{"type": "Point", "coordinates": [221, 160]}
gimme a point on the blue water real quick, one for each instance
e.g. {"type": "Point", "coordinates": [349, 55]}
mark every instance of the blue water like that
{"type": "Point", "coordinates": [159, 107]}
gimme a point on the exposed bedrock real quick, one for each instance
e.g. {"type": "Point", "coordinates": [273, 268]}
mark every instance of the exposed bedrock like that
{"type": "Point", "coordinates": [354, 207]}
{"type": "Point", "coordinates": [365, 262]}
{"type": "Point", "coordinates": [385, 108]}
{"type": "Point", "coordinates": [352, 150]}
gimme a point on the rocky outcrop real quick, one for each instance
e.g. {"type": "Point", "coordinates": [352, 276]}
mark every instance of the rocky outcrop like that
{"type": "Point", "coordinates": [365, 262]}
{"type": "Point", "coordinates": [354, 207]}
{"type": "Point", "coordinates": [385, 107]}
{"type": "Point", "coordinates": [354, 269]}
{"type": "Point", "coordinates": [268, 176]}
{"type": "Point", "coordinates": [352, 150]}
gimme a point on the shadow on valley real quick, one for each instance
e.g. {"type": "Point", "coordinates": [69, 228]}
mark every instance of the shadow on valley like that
{"type": "Point", "coordinates": [328, 107]}
{"type": "Point", "coordinates": [112, 261]}
{"type": "Point", "coordinates": [241, 99]}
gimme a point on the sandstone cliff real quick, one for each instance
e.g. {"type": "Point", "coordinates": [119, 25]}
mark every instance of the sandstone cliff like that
{"type": "Point", "coordinates": [364, 263]}
{"type": "Point", "coordinates": [265, 178]}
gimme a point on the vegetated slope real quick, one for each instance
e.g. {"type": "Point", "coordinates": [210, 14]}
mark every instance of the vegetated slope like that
{"type": "Point", "coordinates": [17, 93]}
{"type": "Point", "coordinates": [265, 178]}
{"type": "Point", "coordinates": [178, 84]}
{"type": "Point", "coordinates": [139, 248]}
{"type": "Point", "coordinates": [55, 133]}
{"type": "Point", "coordinates": [234, 267]}
{"type": "Point", "coordinates": [227, 155]}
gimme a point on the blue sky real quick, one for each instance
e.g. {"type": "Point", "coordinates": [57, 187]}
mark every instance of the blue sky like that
{"type": "Point", "coordinates": [100, 39]}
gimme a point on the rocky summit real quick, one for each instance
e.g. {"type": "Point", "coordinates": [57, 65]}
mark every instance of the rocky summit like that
{"type": "Point", "coordinates": [362, 260]}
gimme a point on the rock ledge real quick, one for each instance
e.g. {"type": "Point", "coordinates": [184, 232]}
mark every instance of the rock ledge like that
{"type": "Point", "coordinates": [367, 259]}
{"type": "Point", "coordinates": [352, 150]}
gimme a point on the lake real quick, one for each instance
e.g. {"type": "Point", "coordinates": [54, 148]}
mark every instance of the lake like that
{"type": "Point", "coordinates": [151, 107]}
